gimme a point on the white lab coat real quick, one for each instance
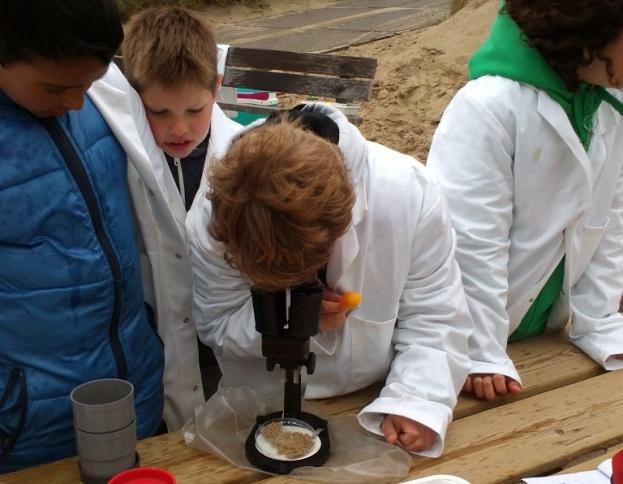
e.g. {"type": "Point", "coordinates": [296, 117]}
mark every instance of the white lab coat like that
{"type": "Point", "coordinates": [161, 237]}
{"type": "Point", "coordinates": [523, 192]}
{"type": "Point", "coordinates": [413, 324]}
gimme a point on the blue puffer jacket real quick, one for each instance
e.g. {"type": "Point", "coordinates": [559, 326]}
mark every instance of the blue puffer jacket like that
{"type": "Point", "coordinates": [71, 302]}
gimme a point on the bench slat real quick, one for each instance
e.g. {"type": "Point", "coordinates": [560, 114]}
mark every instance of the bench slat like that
{"type": "Point", "coordinates": [343, 89]}
{"type": "Point", "coordinates": [342, 66]}
{"type": "Point", "coordinates": [267, 110]}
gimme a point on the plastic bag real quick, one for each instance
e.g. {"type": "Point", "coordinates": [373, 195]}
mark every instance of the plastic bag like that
{"type": "Point", "coordinates": [222, 425]}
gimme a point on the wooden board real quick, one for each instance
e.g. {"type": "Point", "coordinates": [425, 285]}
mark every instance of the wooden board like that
{"type": "Point", "coordinates": [167, 451]}
{"type": "Point", "coordinates": [590, 464]}
{"type": "Point", "coordinates": [345, 89]}
{"type": "Point", "coordinates": [534, 435]}
{"type": "Point", "coordinates": [544, 363]}
{"type": "Point", "coordinates": [336, 65]}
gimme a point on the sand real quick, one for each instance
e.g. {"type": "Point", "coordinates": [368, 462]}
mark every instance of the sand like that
{"type": "Point", "coordinates": [417, 75]}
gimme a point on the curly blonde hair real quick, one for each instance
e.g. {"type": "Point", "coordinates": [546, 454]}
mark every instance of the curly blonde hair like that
{"type": "Point", "coordinates": [281, 197]}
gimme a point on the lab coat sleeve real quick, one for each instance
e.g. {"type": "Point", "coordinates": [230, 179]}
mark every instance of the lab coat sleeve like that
{"type": "Point", "coordinates": [222, 307]}
{"type": "Point", "coordinates": [471, 154]}
{"type": "Point", "coordinates": [432, 330]}
{"type": "Point", "coordinates": [596, 324]}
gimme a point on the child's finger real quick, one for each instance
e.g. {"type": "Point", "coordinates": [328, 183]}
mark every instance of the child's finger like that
{"type": "Point", "coordinates": [407, 439]}
{"type": "Point", "coordinates": [513, 386]}
{"type": "Point", "coordinates": [487, 388]}
{"type": "Point", "coordinates": [331, 321]}
{"type": "Point", "coordinates": [389, 430]}
{"type": "Point", "coordinates": [329, 295]}
{"type": "Point", "coordinates": [477, 386]}
{"type": "Point", "coordinates": [327, 306]}
{"type": "Point", "coordinates": [499, 384]}
{"type": "Point", "coordinates": [467, 386]}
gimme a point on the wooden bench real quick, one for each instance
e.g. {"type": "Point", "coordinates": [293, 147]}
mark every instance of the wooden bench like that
{"type": "Point", "coordinates": [343, 79]}
{"type": "Point", "coordinates": [340, 78]}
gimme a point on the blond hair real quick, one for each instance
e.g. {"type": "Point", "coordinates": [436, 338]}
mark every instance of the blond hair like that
{"type": "Point", "coordinates": [281, 197]}
{"type": "Point", "coordinates": [169, 46]}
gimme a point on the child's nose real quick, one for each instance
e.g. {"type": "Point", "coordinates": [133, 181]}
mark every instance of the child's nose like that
{"type": "Point", "coordinates": [179, 127]}
{"type": "Point", "coordinates": [73, 100]}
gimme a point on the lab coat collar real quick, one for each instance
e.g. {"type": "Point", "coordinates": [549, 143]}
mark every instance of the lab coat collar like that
{"type": "Point", "coordinates": [553, 113]}
{"type": "Point", "coordinates": [606, 120]}
{"type": "Point", "coordinates": [113, 104]}
{"type": "Point", "coordinates": [220, 137]}
{"type": "Point", "coordinates": [355, 149]}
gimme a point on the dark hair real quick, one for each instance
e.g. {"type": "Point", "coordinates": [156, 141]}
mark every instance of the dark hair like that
{"type": "Point", "coordinates": [569, 34]}
{"type": "Point", "coordinates": [59, 29]}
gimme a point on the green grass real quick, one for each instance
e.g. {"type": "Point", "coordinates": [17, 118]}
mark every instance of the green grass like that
{"type": "Point", "coordinates": [128, 7]}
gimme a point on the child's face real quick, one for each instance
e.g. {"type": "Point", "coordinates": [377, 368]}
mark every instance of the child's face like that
{"type": "Point", "coordinates": [48, 88]}
{"type": "Point", "coordinates": [179, 116]}
{"type": "Point", "coordinates": [597, 73]}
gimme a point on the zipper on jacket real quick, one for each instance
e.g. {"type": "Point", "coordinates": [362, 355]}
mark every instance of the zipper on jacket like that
{"type": "Point", "coordinates": [180, 178]}
{"type": "Point", "coordinates": [81, 178]}
{"type": "Point", "coordinates": [17, 377]}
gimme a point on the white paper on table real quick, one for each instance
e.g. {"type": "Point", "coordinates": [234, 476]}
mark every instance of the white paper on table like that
{"type": "Point", "coordinates": [599, 476]}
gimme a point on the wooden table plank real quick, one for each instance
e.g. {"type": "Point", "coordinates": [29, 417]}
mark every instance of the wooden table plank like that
{"type": "Point", "coordinates": [544, 363]}
{"type": "Point", "coordinates": [167, 451]}
{"type": "Point", "coordinates": [590, 464]}
{"type": "Point", "coordinates": [534, 435]}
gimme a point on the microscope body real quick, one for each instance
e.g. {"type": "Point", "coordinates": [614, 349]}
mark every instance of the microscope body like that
{"type": "Point", "coordinates": [285, 331]}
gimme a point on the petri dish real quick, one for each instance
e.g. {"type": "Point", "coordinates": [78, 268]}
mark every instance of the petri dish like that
{"type": "Point", "coordinates": [266, 447]}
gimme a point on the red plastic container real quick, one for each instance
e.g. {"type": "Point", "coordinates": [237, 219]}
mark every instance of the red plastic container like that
{"type": "Point", "coordinates": [617, 468]}
{"type": "Point", "coordinates": [144, 475]}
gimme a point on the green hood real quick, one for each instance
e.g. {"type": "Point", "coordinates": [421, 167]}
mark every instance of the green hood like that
{"type": "Point", "coordinates": [507, 53]}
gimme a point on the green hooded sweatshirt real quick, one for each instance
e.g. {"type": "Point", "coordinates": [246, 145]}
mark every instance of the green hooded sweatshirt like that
{"type": "Point", "coordinates": [507, 53]}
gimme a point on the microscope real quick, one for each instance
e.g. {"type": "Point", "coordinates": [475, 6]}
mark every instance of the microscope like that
{"type": "Point", "coordinates": [286, 319]}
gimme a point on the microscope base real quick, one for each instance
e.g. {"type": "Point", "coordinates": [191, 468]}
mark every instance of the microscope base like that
{"type": "Point", "coordinates": [276, 466]}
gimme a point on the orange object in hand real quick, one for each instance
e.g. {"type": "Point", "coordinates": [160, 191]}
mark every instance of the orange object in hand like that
{"type": "Point", "coordinates": [350, 300]}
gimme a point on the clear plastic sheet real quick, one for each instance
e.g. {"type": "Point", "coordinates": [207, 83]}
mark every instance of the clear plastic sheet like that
{"type": "Point", "coordinates": [222, 424]}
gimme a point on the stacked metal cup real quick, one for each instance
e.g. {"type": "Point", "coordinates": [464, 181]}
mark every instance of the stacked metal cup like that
{"type": "Point", "coordinates": [105, 425]}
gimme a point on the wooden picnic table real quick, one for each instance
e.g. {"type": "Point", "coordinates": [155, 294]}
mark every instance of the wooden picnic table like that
{"type": "Point", "coordinates": [568, 418]}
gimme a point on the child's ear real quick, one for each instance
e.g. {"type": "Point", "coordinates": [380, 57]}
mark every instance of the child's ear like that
{"type": "Point", "coordinates": [219, 80]}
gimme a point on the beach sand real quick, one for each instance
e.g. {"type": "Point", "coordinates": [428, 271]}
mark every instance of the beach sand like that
{"type": "Point", "coordinates": [417, 75]}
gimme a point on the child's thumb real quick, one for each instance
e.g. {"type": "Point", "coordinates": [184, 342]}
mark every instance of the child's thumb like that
{"type": "Point", "coordinates": [389, 430]}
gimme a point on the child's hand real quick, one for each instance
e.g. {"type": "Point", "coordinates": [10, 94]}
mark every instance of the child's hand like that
{"type": "Point", "coordinates": [488, 387]}
{"type": "Point", "coordinates": [409, 434]}
{"type": "Point", "coordinates": [332, 313]}
{"type": "Point", "coordinates": [334, 308]}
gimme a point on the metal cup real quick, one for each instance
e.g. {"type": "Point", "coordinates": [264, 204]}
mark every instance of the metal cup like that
{"type": "Point", "coordinates": [105, 426]}
{"type": "Point", "coordinates": [103, 405]}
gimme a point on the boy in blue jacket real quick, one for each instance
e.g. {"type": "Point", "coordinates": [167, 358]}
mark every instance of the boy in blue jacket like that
{"type": "Point", "coordinates": [71, 299]}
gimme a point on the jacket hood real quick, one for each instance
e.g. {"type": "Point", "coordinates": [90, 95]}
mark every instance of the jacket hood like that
{"type": "Point", "coordinates": [352, 143]}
